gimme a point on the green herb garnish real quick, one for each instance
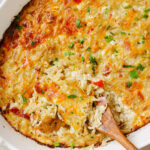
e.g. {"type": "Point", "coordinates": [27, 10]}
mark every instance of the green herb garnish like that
{"type": "Point", "coordinates": [42, 92]}
{"type": "Point", "coordinates": [140, 67]}
{"type": "Point", "coordinates": [107, 27]}
{"type": "Point", "coordinates": [68, 53]}
{"type": "Point", "coordinates": [106, 11]}
{"type": "Point", "coordinates": [89, 49]}
{"type": "Point", "coordinates": [134, 74]}
{"type": "Point", "coordinates": [71, 45]}
{"type": "Point", "coordinates": [81, 41]}
{"type": "Point", "coordinates": [88, 10]}
{"type": "Point", "coordinates": [123, 33]}
{"type": "Point", "coordinates": [33, 43]}
{"type": "Point", "coordinates": [56, 144]}
{"type": "Point", "coordinates": [128, 66]}
{"type": "Point", "coordinates": [72, 145]}
{"type": "Point", "coordinates": [19, 27]}
{"type": "Point", "coordinates": [78, 25]}
{"type": "Point", "coordinates": [72, 96]}
{"type": "Point", "coordinates": [82, 58]}
{"type": "Point", "coordinates": [92, 60]}
{"type": "Point", "coordinates": [129, 84]}
{"type": "Point", "coordinates": [24, 100]}
{"type": "Point", "coordinates": [108, 38]}
{"type": "Point", "coordinates": [126, 7]}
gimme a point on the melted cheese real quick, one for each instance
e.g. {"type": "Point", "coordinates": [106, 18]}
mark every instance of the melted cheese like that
{"type": "Point", "coordinates": [53, 53]}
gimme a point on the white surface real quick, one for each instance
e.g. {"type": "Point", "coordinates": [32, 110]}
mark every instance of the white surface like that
{"type": "Point", "coordinates": [15, 141]}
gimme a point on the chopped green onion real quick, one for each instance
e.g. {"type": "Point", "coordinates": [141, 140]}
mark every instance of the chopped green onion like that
{"type": "Point", "coordinates": [82, 58]}
{"type": "Point", "coordinates": [72, 145]}
{"type": "Point", "coordinates": [81, 98]}
{"type": "Point", "coordinates": [123, 33]}
{"type": "Point", "coordinates": [24, 100]}
{"type": "Point", "coordinates": [140, 67]}
{"type": "Point", "coordinates": [147, 10]}
{"type": "Point", "coordinates": [128, 66]}
{"type": "Point", "coordinates": [78, 25]}
{"type": "Point", "coordinates": [68, 53]}
{"type": "Point", "coordinates": [92, 60]}
{"type": "Point", "coordinates": [71, 45]}
{"type": "Point", "coordinates": [108, 38]}
{"type": "Point", "coordinates": [145, 15]}
{"type": "Point", "coordinates": [126, 7]}
{"type": "Point", "coordinates": [17, 18]}
{"type": "Point", "coordinates": [106, 11]}
{"type": "Point", "coordinates": [19, 27]}
{"type": "Point", "coordinates": [33, 43]}
{"type": "Point", "coordinates": [126, 14]}
{"type": "Point", "coordinates": [88, 10]}
{"type": "Point", "coordinates": [56, 144]}
{"type": "Point", "coordinates": [134, 74]}
{"type": "Point", "coordinates": [129, 84]}
{"type": "Point", "coordinates": [107, 27]}
{"type": "Point", "coordinates": [89, 49]}
{"type": "Point", "coordinates": [143, 39]}
{"type": "Point", "coordinates": [81, 41]}
{"type": "Point", "coordinates": [42, 92]}
{"type": "Point", "coordinates": [72, 96]}
{"type": "Point", "coordinates": [137, 19]}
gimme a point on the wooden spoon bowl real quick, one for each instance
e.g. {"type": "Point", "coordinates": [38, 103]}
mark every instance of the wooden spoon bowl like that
{"type": "Point", "coordinates": [110, 128]}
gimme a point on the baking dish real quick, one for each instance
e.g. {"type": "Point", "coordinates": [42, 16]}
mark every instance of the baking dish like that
{"type": "Point", "coordinates": [7, 7]}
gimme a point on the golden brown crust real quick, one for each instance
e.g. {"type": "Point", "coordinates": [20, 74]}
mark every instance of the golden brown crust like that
{"type": "Point", "coordinates": [61, 59]}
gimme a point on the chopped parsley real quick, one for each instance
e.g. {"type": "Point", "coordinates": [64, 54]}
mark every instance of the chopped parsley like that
{"type": "Point", "coordinates": [71, 96]}
{"type": "Point", "coordinates": [108, 38]}
{"type": "Point", "coordinates": [140, 67]}
{"type": "Point", "coordinates": [88, 10]}
{"type": "Point", "coordinates": [78, 25]}
{"type": "Point", "coordinates": [72, 112]}
{"type": "Point", "coordinates": [19, 27]}
{"type": "Point", "coordinates": [129, 84]}
{"type": "Point", "coordinates": [108, 26]}
{"type": "Point", "coordinates": [127, 6]}
{"type": "Point", "coordinates": [24, 100]}
{"type": "Point", "coordinates": [89, 49]}
{"type": "Point", "coordinates": [68, 53]}
{"type": "Point", "coordinates": [82, 58]}
{"type": "Point", "coordinates": [33, 43]}
{"type": "Point", "coordinates": [56, 144]}
{"type": "Point", "coordinates": [123, 33]}
{"type": "Point", "coordinates": [71, 45]}
{"type": "Point", "coordinates": [126, 14]}
{"type": "Point", "coordinates": [134, 74]}
{"type": "Point", "coordinates": [81, 41]}
{"type": "Point", "coordinates": [106, 11]}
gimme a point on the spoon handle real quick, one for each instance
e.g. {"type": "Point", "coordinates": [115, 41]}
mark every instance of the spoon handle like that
{"type": "Point", "coordinates": [110, 128]}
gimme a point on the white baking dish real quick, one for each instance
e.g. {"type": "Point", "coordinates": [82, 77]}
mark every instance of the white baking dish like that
{"type": "Point", "coordinates": [10, 139]}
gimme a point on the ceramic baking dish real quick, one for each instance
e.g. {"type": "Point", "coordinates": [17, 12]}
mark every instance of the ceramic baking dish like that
{"type": "Point", "coordinates": [10, 139]}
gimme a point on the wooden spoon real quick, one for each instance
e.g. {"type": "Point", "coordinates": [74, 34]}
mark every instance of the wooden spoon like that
{"type": "Point", "coordinates": [110, 128]}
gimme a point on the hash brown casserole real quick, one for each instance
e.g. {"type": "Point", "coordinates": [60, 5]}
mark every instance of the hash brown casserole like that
{"type": "Point", "coordinates": [63, 61]}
